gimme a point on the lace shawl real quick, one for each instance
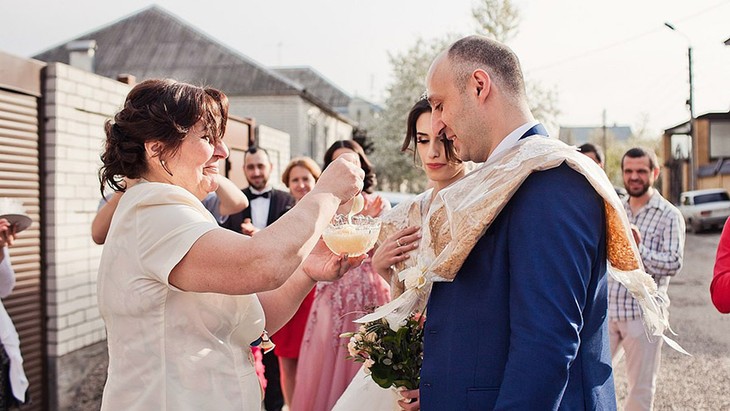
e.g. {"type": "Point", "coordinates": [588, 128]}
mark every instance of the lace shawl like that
{"type": "Point", "coordinates": [461, 213]}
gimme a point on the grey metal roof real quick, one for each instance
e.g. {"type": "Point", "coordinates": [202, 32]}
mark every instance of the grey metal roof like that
{"type": "Point", "coordinates": [314, 82]}
{"type": "Point", "coordinates": [683, 128]}
{"type": "Point", "coordinates": [580, 135]}
{"type": "Point", "coordinates": [154, 43]}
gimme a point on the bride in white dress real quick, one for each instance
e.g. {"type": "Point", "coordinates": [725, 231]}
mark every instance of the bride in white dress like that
{"type": "Point", "coordinates": [399, 236]}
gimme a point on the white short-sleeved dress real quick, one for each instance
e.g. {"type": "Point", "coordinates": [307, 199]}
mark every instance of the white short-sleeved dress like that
{"type": "Point", "coordinates": [169, 349]}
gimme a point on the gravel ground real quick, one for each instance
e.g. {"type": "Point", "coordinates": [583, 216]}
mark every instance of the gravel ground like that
{"type": "Point", "coordinates": [702, 381]}
{"type": "Point", "coordinates": [88, 395]}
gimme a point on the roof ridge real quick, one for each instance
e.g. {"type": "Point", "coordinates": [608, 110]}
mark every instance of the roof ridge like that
{"type": "Point", "coordinates": [163, 13]}
{"type": "Point", "coordinates": [207, 37]}
{"type": "Point", "coordinates": [316, 72]}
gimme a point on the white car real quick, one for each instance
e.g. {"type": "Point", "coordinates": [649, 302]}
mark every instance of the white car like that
{"type": "Point", "coordinates": [706, 208]}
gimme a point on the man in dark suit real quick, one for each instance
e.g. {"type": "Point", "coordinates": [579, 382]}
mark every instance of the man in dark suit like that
{"type": "Point", "coordinates": [266, 206]}
{"type": "Point", "coordinates": [524, 323]}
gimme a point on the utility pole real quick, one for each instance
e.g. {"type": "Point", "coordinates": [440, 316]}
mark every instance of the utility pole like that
{"type": "Point", "coordinates": [605, 140]}
{"type": "Point", "coordinates": [692, 129]}
{"type": "Point", "coordinates": [690, 103]}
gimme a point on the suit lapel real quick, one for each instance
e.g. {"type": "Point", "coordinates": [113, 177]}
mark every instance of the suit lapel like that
{"type": "Point", "coordinates": [273, 208]}
{"type": "Point", "coordinates": [246, 213]}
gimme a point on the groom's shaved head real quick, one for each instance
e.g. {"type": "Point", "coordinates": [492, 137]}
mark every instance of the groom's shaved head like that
{"type": "Point", "coordinates": [478, 52]}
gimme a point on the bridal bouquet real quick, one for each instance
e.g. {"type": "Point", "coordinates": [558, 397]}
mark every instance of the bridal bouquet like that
{"type": "Point", "coordinates": [392, 358]}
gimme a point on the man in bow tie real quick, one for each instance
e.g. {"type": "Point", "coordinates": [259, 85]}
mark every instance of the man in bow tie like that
{"type": "Point", "coordinates": [266, 205]}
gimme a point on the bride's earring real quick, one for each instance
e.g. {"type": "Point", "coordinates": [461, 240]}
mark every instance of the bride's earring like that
{"type": "Point", "coordinates": [164, 167]}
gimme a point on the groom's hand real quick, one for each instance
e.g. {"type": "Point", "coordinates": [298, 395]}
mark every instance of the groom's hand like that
{"type": "Point", "coordinates": [411, 400]}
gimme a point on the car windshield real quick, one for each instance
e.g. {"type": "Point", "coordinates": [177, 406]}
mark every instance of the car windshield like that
{"type": "Point", "coordinates": [711, 198]}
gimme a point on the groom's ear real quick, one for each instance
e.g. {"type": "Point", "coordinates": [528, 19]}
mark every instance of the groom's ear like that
{"type": "Point", "coordinates": [481, 84]}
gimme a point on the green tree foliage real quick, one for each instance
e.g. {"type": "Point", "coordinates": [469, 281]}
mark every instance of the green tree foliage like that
{"type": "Point", "coordinates": [397, 170]}
{"type": "Point", "coordinates": [498, 19]}
{"type": "Point", "coordinates": [543, 104]}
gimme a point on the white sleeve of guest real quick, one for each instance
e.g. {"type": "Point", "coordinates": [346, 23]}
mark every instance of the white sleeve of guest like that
{"type": "Point", "coordinates": [7, 275]}
{"type": "Point", "coordinates": [169, 223]}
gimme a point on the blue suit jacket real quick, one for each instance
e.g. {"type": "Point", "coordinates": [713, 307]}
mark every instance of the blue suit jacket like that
{"type": "Point", "coordinates": [524, 324]}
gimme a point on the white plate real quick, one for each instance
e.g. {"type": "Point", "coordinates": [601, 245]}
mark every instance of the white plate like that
{"type": "Point", "coordinates": [21, 221]}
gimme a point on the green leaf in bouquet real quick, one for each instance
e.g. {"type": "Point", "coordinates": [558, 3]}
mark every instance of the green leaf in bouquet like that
{"type": "Point", "coordinates": [395, 357]}
{"type": "Point", "coordinates": [384, 380]}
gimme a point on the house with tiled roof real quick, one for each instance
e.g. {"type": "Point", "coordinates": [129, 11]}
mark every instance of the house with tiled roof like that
{"type": "Point", "coordinates": [317, 84]}
{"type": "Point", "coordinates": [711, 165]}
{"type": "Point", "coordinates": [155, 43]}
{"type": "Point", "coordinates": [363, 112]}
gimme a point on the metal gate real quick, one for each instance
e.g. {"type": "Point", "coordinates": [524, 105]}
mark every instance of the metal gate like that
{"type": "Point", "coordinates": [20, 179]}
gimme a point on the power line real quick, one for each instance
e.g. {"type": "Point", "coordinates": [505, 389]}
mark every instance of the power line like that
{"type": "Point", "coordinates": [624, 41]}
{"type": "Point", "coordinates": [690, 17]}
{"type": "Point", "coordinates": [591, 52]}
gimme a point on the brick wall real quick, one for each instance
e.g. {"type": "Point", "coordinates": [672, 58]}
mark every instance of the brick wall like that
{"type": "Point", "coordinates": [76, 105]}
{"type": "Point", "coordinates": [280, 112]}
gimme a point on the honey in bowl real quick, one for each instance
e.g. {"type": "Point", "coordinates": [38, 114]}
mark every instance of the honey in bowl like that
{"type": "Point", "coordinates": [353, 239]}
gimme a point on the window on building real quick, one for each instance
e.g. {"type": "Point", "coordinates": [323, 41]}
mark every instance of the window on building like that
{"type": "Point", "coordinates": [720, 139]}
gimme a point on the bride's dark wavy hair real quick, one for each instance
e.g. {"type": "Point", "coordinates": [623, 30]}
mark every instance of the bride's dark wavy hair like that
{"type": "Point", "coordinates": [161, 110]}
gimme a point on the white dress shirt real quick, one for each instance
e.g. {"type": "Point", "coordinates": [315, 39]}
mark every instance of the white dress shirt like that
{"type": "Point", "coordinates": [260, 208]}
{"type": "Point", "coordinates": [513, 137]}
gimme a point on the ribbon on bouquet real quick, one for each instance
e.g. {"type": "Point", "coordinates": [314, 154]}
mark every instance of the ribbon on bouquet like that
{"type": "Point", "coordinates": [414, 298]}
{"type": "Point", "coordinates": [460, 214]}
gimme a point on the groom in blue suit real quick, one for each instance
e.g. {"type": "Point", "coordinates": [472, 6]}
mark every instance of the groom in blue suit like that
{"type": "Point", "coordinates": [523, 326]}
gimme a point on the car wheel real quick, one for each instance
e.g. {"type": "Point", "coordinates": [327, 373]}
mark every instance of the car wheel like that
{"type": "Point", "coordinates": [696, 226]}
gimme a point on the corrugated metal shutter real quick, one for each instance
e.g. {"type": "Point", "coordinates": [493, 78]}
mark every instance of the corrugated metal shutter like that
{"type": "Point", "coordinates": [20, 179]}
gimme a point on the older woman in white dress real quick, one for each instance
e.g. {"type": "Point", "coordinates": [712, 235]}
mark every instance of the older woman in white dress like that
{"type": "Point", "coordinates": [183, 300]}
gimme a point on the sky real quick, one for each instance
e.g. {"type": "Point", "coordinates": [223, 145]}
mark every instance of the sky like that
{"type": "Point", "coordinates": [612, 59]}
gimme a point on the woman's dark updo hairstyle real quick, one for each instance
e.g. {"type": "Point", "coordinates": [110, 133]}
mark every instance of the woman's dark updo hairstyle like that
{"type": "Point", "coordinates": [161, 110]}
{"type": "Point", "coordinates": [423, 106]}
{"type": "Point", "coordinates": [370, 180]}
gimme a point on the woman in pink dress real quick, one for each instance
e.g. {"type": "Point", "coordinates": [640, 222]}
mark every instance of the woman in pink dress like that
{"type": "Point", "coordinates": [323, 372]}
{"type": "Point", "coordinates": [299, 176]}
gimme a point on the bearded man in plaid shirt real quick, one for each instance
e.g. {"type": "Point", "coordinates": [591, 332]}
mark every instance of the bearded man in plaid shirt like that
{"type": "Point", "coordinates": [659, 233]}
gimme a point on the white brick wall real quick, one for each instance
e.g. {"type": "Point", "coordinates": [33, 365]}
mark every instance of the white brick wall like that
{"type": "Point", "coordinates": [280, 112]}
{"type": "Point", "coordinates": [77, 104]}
